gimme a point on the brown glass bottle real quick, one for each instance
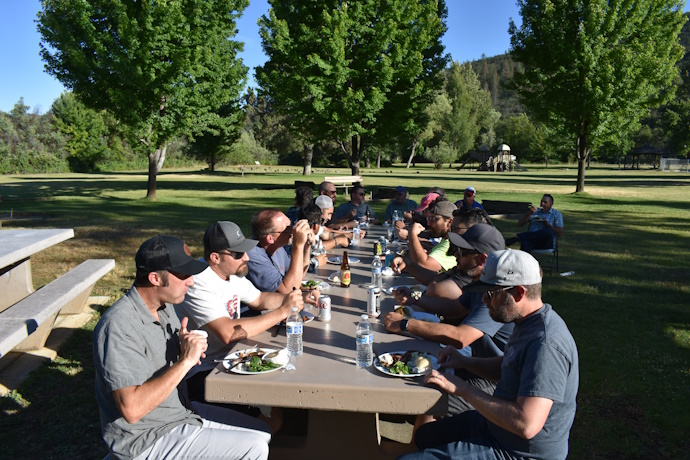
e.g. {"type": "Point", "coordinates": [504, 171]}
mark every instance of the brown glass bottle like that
{"type": "Point", "coordinates": [345, 272]}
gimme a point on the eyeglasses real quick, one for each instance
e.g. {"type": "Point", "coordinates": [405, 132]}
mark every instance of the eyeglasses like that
{"type": "Point", "coordinates": [331, 192]}
{"type": "Point", "coordinates": [433, 218]}
{"type": "Point", "coordinates": [288, 229]}
{"type": "Point", "coordinates": [233, 254]}
{"type": "Point", "coordinates": [491, 293]}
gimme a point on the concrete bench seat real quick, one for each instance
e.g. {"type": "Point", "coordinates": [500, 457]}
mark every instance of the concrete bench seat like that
{"type": "Point", "coordinates": [344, 181]}
{"type": "Point", "coordinates": [25, 326]}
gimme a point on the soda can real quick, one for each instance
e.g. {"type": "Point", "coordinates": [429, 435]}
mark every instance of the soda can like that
{"type": "Point", "coordinates": [377, 248]}
{"type": "Point", "coordinates": [374, 302]}
{"type": "Point", "coordinates": [325, 308]}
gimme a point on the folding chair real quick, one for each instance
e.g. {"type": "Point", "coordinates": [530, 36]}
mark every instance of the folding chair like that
{"type": "Point", "coordinates": [554, 254]}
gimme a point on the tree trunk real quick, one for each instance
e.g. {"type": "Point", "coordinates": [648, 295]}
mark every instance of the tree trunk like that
{"type": "Point", "coordinates": [156, 160]}
{"type": "Point", "coordinates": [582, 154]}
{"type": "Point", "coordinates": [308, 156]}
{"type": "Point", "coordinates": [414, 147]}
{"type": "Point", "coordinates": [378, 161]}
{"type": "Point", "coordinates": [356, 154]}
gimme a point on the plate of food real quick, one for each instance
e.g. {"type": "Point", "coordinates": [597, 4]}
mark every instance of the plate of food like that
{"type": "Point", "coordinates": [309, 285]}
{"type": "Point", "coordinates": [256, 360]}
{"type": "Point", "coordinates": [339, 260]}
{"type": "Point", "coordinates": [411, 363]}
{"type": "Point", "coordinates": [334, 277]}
{"type": "Point", "coordinates": [307, 317]}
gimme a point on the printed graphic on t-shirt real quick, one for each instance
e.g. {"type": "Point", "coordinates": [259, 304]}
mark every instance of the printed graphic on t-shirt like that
{"type": "Point", "coordinates": [233, 307]}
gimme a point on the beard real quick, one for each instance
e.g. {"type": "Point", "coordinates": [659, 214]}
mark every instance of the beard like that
{"type": "Point", "coordinates": [506, 312]}
{"type": "Point", "coordinates": [242, 271]}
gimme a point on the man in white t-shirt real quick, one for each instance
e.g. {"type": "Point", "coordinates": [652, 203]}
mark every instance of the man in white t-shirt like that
{"type": "Point", "coordinates": [213, 303]}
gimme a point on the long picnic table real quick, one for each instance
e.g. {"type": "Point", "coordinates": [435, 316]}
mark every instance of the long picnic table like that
{"type": "Point", "coordinates": [343, 401]}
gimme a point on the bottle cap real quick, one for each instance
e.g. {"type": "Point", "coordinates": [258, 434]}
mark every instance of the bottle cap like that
{"type": "Point", "coordinates": [294, 308]}
{"type": "Point", "coordinates": [365, 316]}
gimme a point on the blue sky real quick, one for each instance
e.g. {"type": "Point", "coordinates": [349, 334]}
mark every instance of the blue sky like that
{"type": "Point", "coordinates": [475, 27]}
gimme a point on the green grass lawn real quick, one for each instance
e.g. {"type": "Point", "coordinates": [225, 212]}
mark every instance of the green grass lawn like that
{"type": "Point", "coordinates": [627, 239]}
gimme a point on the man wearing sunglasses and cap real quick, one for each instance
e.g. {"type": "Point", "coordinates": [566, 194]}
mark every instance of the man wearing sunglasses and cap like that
{"type": "Point", "coordinates": [532, 409]}
{"type": "Point", "coordinates": [142, 351]}
{"type": "Point", "coordinates": [485, 336]}
{"type": "Point", "coordinates": [213, 304]}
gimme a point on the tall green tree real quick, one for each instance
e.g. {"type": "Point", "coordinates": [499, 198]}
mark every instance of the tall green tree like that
{"type": "Point", "coordinates": [332, 65]}
{"type": "Point", "coordinates": [164, 68]}
{"type": "Point", "coordinates": [593, 68]}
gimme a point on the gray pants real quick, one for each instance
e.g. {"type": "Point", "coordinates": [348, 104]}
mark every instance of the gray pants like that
{"type": "Point", "coordinates": [225, 434]}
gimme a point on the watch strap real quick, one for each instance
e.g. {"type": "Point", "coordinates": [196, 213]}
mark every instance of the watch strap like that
{"type": "Point", "coordinates": [403, 324]}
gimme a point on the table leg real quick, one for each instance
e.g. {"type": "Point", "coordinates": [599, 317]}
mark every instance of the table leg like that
{"type": "Point", "coordinates": [15, 283]}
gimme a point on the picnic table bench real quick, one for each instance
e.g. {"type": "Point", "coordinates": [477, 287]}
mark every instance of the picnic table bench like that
{"type": "Point", "coordinates": [344, 181]}
{"type": "Point", "coordinates": [27, 316]}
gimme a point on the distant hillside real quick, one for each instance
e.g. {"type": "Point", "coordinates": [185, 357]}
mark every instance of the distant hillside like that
{"type": "Point", "coordinates": [493, 72]}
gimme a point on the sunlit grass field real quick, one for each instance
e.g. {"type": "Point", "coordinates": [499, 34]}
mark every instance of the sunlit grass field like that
{"type": "Point", "coordinates": [628, 306]}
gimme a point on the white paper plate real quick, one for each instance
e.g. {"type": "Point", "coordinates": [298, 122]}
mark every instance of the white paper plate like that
{"type": "Point", "coordinates": [383, 370]}
{"type": "Point", "coordinates": [321, 286]}
{"type": "Point", "coordinates": [338, 260]}
{"type": "Point", "coordinates": [238, 369]}
{"type": "Point", "coordinates": [306, 317]}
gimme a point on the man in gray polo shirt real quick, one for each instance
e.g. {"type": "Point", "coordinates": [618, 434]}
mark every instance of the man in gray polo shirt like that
{"type": "Point", "coordinates": [142, 352]}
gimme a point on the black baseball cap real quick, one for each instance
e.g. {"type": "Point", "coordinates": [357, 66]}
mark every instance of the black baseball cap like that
{"type": "Point", "coordinates": [227, 235]}
{"type": "Point", "coordinates": [480, 237]}
{"type": "Point", "coordinates": [169, 253]}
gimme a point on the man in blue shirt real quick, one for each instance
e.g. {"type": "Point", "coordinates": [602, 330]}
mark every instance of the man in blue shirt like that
{"type": "Point", "coordinates": [355, 209]}
{"type": "Point", "coordinates": [401, 203]}
{"type": "Point", "coordinates": [468, 199]}
{"type": "Point", "coordinates": [545, 225]}
{"type": "Point", "coordinates": [533, 407]}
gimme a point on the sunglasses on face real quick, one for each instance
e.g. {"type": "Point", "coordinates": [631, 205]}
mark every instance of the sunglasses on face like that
{"type": "Point", "coordinates": [433, 218]}
{"type": "Point", "coordinates": [233, 254]}
{"type": "Point", "coordinates": [490, 294]}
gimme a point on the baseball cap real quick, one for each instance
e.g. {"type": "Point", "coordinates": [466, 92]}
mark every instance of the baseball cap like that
{"type": "Point", "coordinates": [323, 202]}
{"type": "Point", "coordinates": [480, 237]}
{"type": "Point", "coordinates": [426, 201]}
{"type": "Point", "coordinates": [227, 235]}
{"type": "Point", "coordinates": [507, 268]}
{"type": "Point", "coordinates": [400, 189]}
{"type": "Point", "coordinates": [165, 252]}
{"type": "Point", "coordinates": [443, 208]}
{"type": "Point", "coordinates": [471, 190]}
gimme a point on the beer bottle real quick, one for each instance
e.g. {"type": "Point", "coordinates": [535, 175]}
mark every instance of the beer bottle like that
{"type": "Point", "coordinates": [367, 215]}
{"type": "Point", "coordinates": [345, 272]}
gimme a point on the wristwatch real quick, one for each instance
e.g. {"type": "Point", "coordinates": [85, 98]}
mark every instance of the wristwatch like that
{"type": "Point", "coordinates": [403, 324]}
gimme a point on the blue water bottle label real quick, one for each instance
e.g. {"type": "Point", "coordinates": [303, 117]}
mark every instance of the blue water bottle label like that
{"type": "Point", "coordinates": [366, 339]}
{"type": "Point", "coordinates": [294, 329]}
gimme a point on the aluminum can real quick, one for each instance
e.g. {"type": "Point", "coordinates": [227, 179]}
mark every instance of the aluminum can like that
{"type": "Point", "coordinates": [374, 302]}
{"type": "Point", "coordinates": [324, 308]}
{"type": "Point", "coordinates": [377, 248]}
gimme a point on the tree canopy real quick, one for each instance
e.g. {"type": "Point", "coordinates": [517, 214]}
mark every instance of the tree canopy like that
{"type": "Point", "coordinates": [334, 65]}
{"type": "Point", "coordinates": [593, 69]}
{"type": "Point", "coordinates": [164, 68]}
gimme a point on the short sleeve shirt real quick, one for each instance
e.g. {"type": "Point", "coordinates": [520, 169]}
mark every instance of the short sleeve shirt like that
{"type": "Point", "coordinates": [440, 254]}
{"type": "Point", "coordinates": [496, 334]}
{"type": "Point", "coordinates": [407, 206]}
{"type": "Point", "coordinates": [267, 272]}
{"type": "Point", "coordinates": [130, 347]}
{"type": "Point", "coordinates": [540, 360]}
{"type": "Point", "coordinates": [345, 209]}
{"type": "Point", "coordinates": [211, 298]}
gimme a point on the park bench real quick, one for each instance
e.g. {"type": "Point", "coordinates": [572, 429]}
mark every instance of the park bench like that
{"type": "Point", "coordinates": [344, 181]}
{"type": "Point", "coordinates": [509, 209]}
{"type": "Point", "coordinates": [25, 326]}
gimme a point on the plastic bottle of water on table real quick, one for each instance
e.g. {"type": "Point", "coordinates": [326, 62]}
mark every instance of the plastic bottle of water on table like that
{"type": "Point", "coordinates": [293, 328]}
{"type": "Point", "coordinates": [365, 343]}
{"type": "Point", "coordinates": [376, 268]}
{"type": "Point", "coordinates": [356, 234]}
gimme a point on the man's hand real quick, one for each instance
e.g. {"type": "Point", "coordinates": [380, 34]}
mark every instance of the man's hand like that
{"type": "Point", "coordinates": [292, 299]}
{"type": "Point", "coordinates": [323, 259]}
{"type": "Point", "coordinates": [448, 383]}
{"type": "Point", "coordinates": [407, 216]}
{"type": "Point", "coordinates": [398, 264]}
{"type": "Point", "coordinates": [402, 233]}
{"type": "Point", "coordinates": [192, 346]}
{"type": "Point", "coordinates": [392, 322]}
{"type": "Point", "coordinates": [403, 295]}
{"type": "Point", "coordinates": [301, 233]}
{"type": "Point", "coordinates": [399, 224]}
{"type": "Point", "coordinates": [533, 209]}
{"type": "Point", "coordinates": [416, 229]}
{"type": "Point", "coordinates": [450, 357]}
{"type": "Point", "coordinates": [311, 297]}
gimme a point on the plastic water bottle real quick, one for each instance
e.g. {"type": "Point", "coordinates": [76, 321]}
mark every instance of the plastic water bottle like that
{"type": "Point", "coordinates": [365, 343]}
{"type": "Point", "coordinates": [376, 268]}
{"type": "Point", "coordinates": [356, 232]}
{"type": "Point", "coordinates": [293, 328]}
